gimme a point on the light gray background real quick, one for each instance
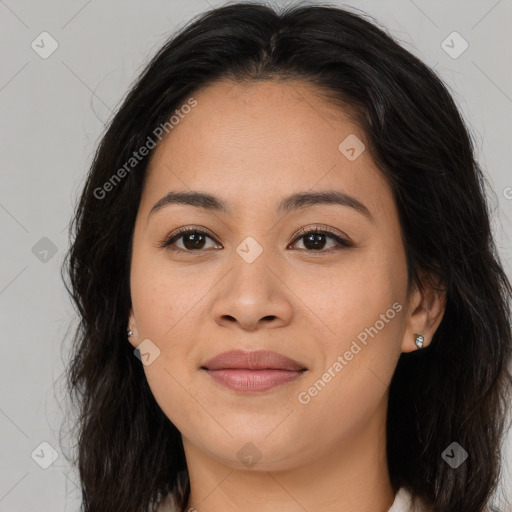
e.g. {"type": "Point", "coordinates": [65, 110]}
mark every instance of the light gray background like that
{"type": "Point", "coordinates": [53, 111]}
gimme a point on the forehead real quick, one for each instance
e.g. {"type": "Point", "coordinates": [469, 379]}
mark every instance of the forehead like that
{"type": "Point", "coordinates": [251, 142]}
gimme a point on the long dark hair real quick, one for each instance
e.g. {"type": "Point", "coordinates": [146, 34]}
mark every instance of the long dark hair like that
{"type": "Point", "coordinates": [456, 390]}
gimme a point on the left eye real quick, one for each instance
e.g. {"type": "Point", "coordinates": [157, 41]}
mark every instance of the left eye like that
{"type": "Point", "coordinates": [194, 240]}
{"type": "Point", "coordinates": [314, 240]}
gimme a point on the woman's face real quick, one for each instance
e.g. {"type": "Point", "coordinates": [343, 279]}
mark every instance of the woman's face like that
{"type": "Point", "coordinates": [251, 281]}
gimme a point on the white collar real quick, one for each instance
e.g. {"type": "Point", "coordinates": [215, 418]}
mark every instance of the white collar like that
{"type": "Point", "coordinates": [402, 503]}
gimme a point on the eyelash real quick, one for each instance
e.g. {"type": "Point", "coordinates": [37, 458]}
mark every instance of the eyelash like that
{"type": "Point", "coordinates": [342, 242]}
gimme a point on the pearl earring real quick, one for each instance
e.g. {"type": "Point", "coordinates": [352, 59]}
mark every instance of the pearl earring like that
{"type": "Point", "coordinates": [419, 339]}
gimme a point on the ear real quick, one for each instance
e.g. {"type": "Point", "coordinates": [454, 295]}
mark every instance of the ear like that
{"type": "Point", "coordinates": [132, 326]}
{"type": "Point", "coordinates": [425, 311]}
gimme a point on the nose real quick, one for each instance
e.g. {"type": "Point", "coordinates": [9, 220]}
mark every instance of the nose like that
{"type": "Point", "coordinates": [253, 296]}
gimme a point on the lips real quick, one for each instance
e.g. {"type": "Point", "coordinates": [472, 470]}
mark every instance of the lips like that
{"type": "Point", "coordinates": [257, 360]}
{"type": "Point", "coordinates": [253, 371]}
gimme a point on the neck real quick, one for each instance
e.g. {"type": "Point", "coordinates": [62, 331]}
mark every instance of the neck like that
{"type": "Point", "coordinates": [350, 475]}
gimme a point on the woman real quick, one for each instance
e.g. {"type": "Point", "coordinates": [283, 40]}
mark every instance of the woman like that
{"type": "Point", "coordinates": [289, 294]}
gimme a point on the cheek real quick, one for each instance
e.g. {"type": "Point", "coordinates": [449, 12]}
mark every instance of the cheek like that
{"type": "Point", "coordinates": [163, 295]}
{"type": "Point", "coordinates": [362, 307]}
{"type": "Point", "coordinates": [161, 299]}
{"type": "Point", "coordinates": [352, 296]}
{"type": "Point", "coordinates": [163, 302]}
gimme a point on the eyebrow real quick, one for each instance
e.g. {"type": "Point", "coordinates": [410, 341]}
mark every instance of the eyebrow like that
{"type": "Point", "coordinates": [288, 204]}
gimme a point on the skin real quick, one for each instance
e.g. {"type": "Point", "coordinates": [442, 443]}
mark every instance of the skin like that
{"type": "Point", "coordinates": [251, 145]}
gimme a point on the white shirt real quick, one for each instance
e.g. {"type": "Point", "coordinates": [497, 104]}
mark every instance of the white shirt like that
{"type": "Point", "coordinates": [402, 503]}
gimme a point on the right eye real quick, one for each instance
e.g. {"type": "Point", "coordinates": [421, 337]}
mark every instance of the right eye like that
{"type": "Point", "coordinates": [192, 239]}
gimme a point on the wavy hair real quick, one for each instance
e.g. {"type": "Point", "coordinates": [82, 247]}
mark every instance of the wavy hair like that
{"type": "Point", "coordinates": [129, 454]}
